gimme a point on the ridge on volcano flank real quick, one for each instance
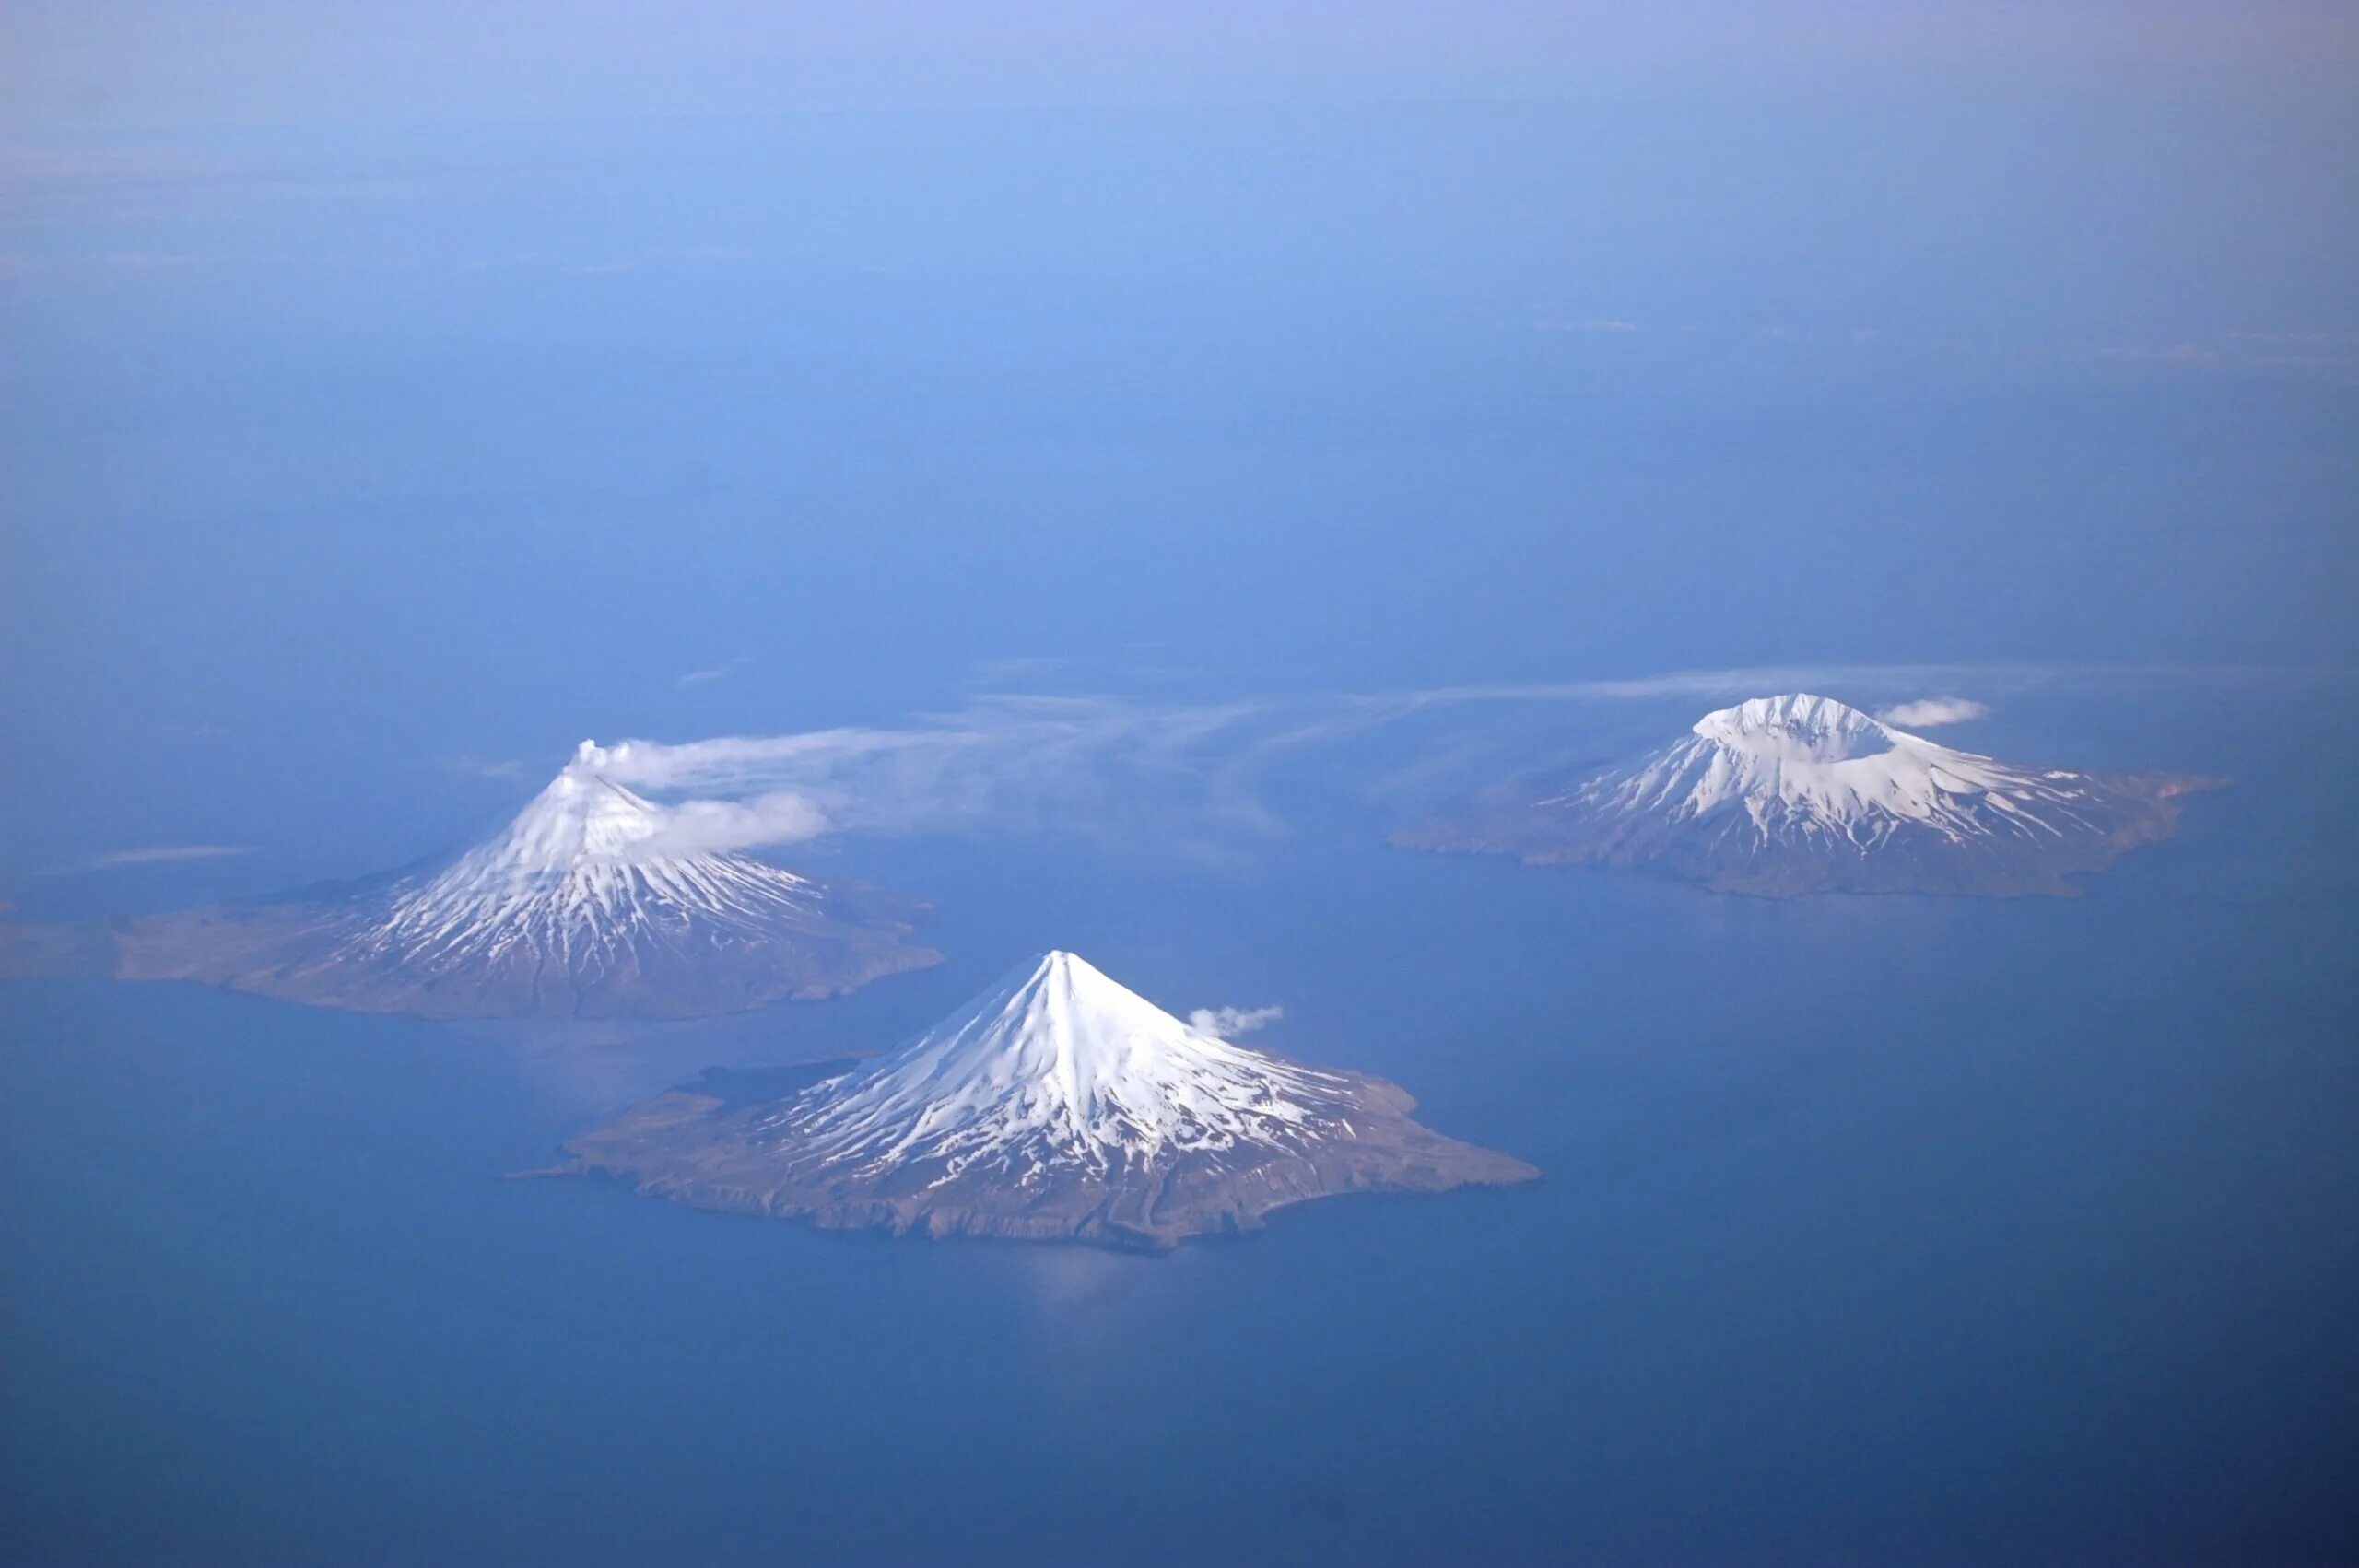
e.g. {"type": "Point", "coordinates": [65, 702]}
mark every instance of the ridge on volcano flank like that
{"type": "Point", "coordinates": [579, 908]}
{"type": "Point", "coordinates": [1056, 1105]}
{"type": "Point", "coordinates": [1804, 794]}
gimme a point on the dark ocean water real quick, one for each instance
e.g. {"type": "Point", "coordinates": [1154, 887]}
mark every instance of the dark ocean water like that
{"type": "Point", "coordinates": [1873, 1230]}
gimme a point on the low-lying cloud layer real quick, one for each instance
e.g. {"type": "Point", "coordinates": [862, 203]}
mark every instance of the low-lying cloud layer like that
{"type": "Point", "coordinates": [710, 828]}
{"type": "Point", "coordinates": [1930, 713]}
{"type": "Point", "coordinates": [163, 854]}
{"type": "Point", "coordinates": [1227, 1022]}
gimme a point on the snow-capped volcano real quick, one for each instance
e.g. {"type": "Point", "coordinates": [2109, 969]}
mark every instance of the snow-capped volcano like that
{"type": "Point", "coordinates": [1804, 794]}
{"type": "Point", "coordinates": [582, 820]}
{"type": "Point", "coordinates": [579, 874]}
{"type": "Point", "coordinates": [579, 906]}
{"type": "Point", "coordinates": [1803, 766]}
{"type": "Point", "coordinates": [1057, 1104]}
{"type": "Point", "coordinates": [1060, 1066]}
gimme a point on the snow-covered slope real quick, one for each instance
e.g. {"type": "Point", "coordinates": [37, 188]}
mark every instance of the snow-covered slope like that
{"type": "Point", "coordinates": [574, 880]}
{"type": "Point", "coordinates": [1057, 1104]}
{"type": "Point", "coordinates": [1060, 1066]}
{"type": "Point", "coordinates": [577, 906]}
{"type": "Point", "coordinates": [1802, 793]}
{"type": "Point", "coordinates": [1803, 766]}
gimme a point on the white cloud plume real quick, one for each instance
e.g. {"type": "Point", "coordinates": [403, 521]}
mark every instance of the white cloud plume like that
{"type": "Point", "coordinates": [1008, 763]}
{"type": "Point", "coordinates": [163, 854]}
{"type": "Point", "coordinates": [708, 828]}
{"type": "Point", "coordinates": [1227, 1022]}
{"type": "Point", "coordinates": [1206, 776]}
{"type": "Point", "coordinates": [1930, 712]}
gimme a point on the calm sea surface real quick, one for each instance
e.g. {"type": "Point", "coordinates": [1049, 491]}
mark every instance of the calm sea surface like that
{"type": "Point", "coordinates": [1873, 1230]}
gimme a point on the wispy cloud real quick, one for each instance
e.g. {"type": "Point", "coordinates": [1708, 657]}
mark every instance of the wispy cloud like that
{"type": "Point", "coordinates": [717, 673]}
{"type": "Point", "coordinates": [1006, 763]}
{"type": "Point", "coordinates": [510, 772]}
{"type": "Point", "coordinates": [2330, 354]}
{"type": "Point", "coordinates": [1227, 1022]}
{"type": "Point", "coordinates": [56, 168]}
{"type": "Point", "coordinates": [1930, 713]}
{"type": "Point", "coordinates": [1859, 683]}
{"type": "Point", "coordinates": [1609, 326]}
{"type": "Point", "coordinates": [1103, 766]}
{"type": "Point", "coordinates": [1208, 776]}
{"type": "Point", "coordinates": [163, 854]}
{"type": "Point", "coordinates": [1017, 668]}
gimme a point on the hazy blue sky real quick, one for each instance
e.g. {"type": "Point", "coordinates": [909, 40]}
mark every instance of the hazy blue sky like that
{"type": "Point", "coordinates": [391, 384]}
{"type": "Point", "coordinates": [145, 62]}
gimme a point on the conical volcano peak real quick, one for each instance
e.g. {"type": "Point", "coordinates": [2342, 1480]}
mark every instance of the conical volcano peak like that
{"type": "Point", "coordinates": [582, 815]}
{"type": "Point", "coordinates": [1798, 726]}
{"type": "Point", "coordinates": [1058, 1063]}
{"type": "Point", "coordinates": [1063, 993]}
{"type": "Point", "coordinates": [1058, 971]}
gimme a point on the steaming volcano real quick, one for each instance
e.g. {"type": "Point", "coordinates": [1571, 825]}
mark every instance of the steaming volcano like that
{"type": "Point", "coordinates": [581, 907]}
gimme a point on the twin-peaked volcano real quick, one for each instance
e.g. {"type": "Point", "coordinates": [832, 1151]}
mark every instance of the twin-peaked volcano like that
{"type": "Point", "coordinates": [1056, 1105]}
{"type": "Point", "coordinates": [581, 907]}
{"type": "Point", "coordinates": [1803, 794]}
